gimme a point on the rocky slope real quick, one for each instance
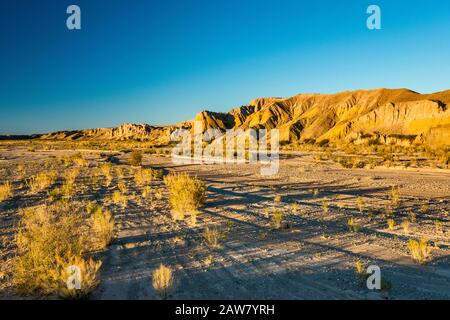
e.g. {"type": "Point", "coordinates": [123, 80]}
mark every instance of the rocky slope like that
{"type": "Point", "coordinates": [398, 116]}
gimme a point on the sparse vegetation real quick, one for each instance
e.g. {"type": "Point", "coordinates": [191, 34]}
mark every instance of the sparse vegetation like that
{"type": "Point", "coordinates": [212, 236]}
{"type": "Point", "coordinates": [276, 219]}
{"type": "Point", "coordinates": [420, 251]}
{"type": "Point", "coordinates": [394, 195]}
{"type": "Point", "coordinates": [360, 202]}
{"type": "Point", "coordinates": [325, 207]}
{"type": "Point", "coordinates": [406, 226]}
{"type": "Point", "coordinates": [186, 194]}
{"type": "Point", "coordinates": [163, 281]}
{"type": "Point", "coordinates": [143, 176]}
{"type": "Point", "coordinates": [106, 170]}
{"type": "Point", "coordinates": [136, 158]}
{"type": "Point", "coordinates": [119, 198]}
{"type": "Point", "coordinates": [102, 224]}
{"type": "Point", "coordinates": [353, 226]}
{"type": "Point", "coordinates": [391, 224]}
{"type": "Point", "coordinates": [41, 181]}
{"type": "Point", "coordinates": [6, 191]}
{"type": "Point", "coordinates": [49, 240]}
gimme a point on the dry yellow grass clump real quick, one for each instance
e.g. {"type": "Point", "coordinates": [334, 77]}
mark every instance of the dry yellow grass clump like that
{"type": "Point", "coordinates": [51, 243]}
{"type": "Point", "coordinates": [79, 160]}
{"type": "Point", "coordinates": [186, 193]}
{"type": "Point", "coordinates": [276, 219]}
{"type": "Point", "coordinates": [420, 250]}
{"type": "Point", "coordinates": [102, 224]}
{"type": "Point", "coordinates": [143, 176]}
{"type": "Point", "coordinates": [119, 198]}
{"type": "Point", "coordinates": [41, 181]}
{"type": "Point", "coordinates": [353, 226]}
{"type": "Point", "coordinates": [6, 191]}
{"type": "Point", "coordinates": [163, 281]}
{"type": "Point", "coordinates": [391, 224]}
{"type": "Point", "coordinates": [106, 170]}
{"type": "Point", "coordinates": [71, 175]}
{"type": "Point", "coordinates": [135, 158]}
{"type": "Point", "coordinates": [212, 236]}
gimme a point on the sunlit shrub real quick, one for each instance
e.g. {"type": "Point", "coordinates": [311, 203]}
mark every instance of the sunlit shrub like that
{"type": "Point", "coordinates": [186, 193]}
{"type": "Point", "coordinates": [6, 191]}
{"type": "Point", "coordinates": [162, 280]}
{"type": "Point", "coordinates": [49, 240]}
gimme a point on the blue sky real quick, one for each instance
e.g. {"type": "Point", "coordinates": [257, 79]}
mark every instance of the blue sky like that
{"type": "Point", "coordinates": [161, 62]}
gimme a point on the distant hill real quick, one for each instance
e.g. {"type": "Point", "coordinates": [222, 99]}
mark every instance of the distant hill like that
{"type": "Point", "coordinates": [398, 116]}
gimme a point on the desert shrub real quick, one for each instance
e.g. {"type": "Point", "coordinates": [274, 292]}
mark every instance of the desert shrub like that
{"type": "Point", "coordinates": [406, 226]}
{"type": "Point", "coordinates": [186, 193]}
{"type": "Point", "coordinates": [135, 158]}
{"type": "Point", "coordinates": [394, 195]}
{"type": "Point", "coordinates": [102, 224]}
{"type": "Point", "coordinates": [391, 224]}
{"type": "Point", "coordinates": [106, 170]}
{"type": "Point", "coordinates": [353, 226]}
{"type": "Point", "coordinates": [158, 173]}
{"type": "Point", "coordinates": [212, 236]}
{"type": "Point", "coordinates": [325, 207]}
{"type": "Point", "coordinates": [119, 198]}
{"type": "Point", "coordinates": [276, 219]}
{"type": "Point", "coordinates": [120, 172]}
{"type": "Point", "coordinates": [122, 187]}
{"type": "Point", "coordinates": [345, 162]}
{"type": "Point", "coordinates": [143, 176]}
{"type": "Point", "coordinates": [360, 203]}
{"type": "Point", "coordinates": [362, 276]}
{"type": "Point", "coordinates": [71, 175]}
{"type": "Point", "coordinates": [147, 192]}
{"type": "Point", "coordinates": [50, 239]}
{"type": "Point", "coordinates": [79, 160]}
{"type": "Point", "coordinates": [162, 280]}
{"type": "Point", "coordinates": [359, 164]}
{"type": "Point", "coordinates": [41, 181]}
{"type": "Point", "coordinates": [420, 251]}
{"type": "Point", "coordinates": [6, 191]}
{"type": "Point", "coordinates": [361, 273]}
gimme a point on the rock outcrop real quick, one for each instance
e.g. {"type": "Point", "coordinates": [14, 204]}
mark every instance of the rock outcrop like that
{"type": "Point", "coordinates": [398, 116]}
{"type": "Point", "coordinates": [391, 116]}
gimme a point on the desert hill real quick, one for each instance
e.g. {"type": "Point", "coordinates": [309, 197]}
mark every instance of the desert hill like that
{"type": "Point", "coordinates": [398, 116]}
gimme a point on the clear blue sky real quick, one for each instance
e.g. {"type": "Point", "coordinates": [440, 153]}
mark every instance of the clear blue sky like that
{"type": "Point", "coordinates": [161, 62]}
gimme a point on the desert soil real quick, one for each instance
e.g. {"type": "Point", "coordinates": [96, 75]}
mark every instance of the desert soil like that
{"type": "Point", "coordinates": [312, 257]}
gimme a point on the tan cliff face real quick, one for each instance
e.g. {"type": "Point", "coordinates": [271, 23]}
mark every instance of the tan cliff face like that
{"type": "Point", "coordinates": [389, 116]}
{"type": "Point", "coordinates": [139, 132]}
{"type": "Point", "coordinates": [397, 116]}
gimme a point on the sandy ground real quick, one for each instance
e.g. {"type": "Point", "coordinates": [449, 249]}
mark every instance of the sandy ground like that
{"type": "Point", "coordinates": [313, 258]}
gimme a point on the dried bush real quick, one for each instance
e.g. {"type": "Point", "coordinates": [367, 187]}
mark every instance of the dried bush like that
{"type": "Point", "coordinates": [102, 224]}
{"type": "Point", "coordinates": [119, 198]}
{"type": "Point", "coordinates": [50, 239]}
{"type": "Point", "coordinates": [186, 193]}
{"type": "Point", "coordinates": [420, 251]}
{"type": "Point", "coordinates": [41, 181]}
{"type": "Point", "coordinates": [163, 281]}
{"type": "Point", "coordinates": [135, 158]}
{"type": "Point", "coordinates": [6, 191]}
